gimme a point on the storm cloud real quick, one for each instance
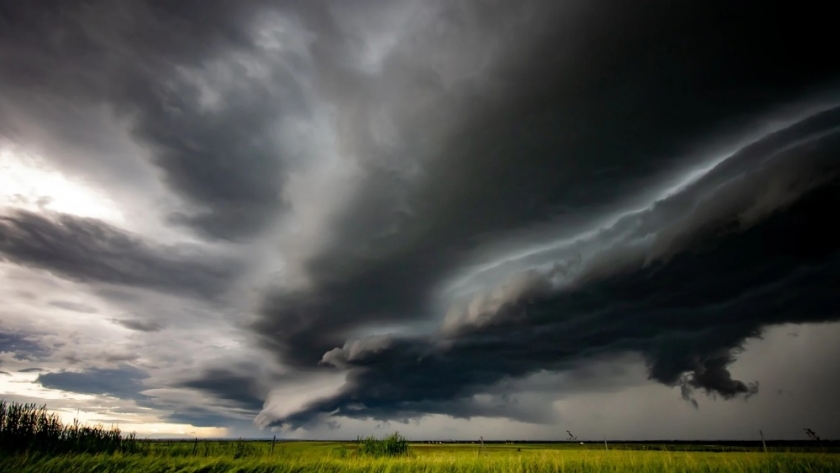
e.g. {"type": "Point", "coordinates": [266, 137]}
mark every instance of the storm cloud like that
{"type": "Point", "coordinates": [689, 327]}
{"type": "Point", "coordinates": [530, 164]}
{"type": "Point", "coordinates": [229, 385]}
{"type": "Point", "coordinates": [524, 155]}
{"type": "Point", "coordinates": [93, 251]}
{"type": "Point", "coordinates": [124, 382]}
{"type": "Point", "coordinates": [171, 74]}
{"type": "Point", "coordinates": [402, 210]}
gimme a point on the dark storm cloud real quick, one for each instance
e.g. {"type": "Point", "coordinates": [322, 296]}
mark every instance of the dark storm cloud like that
{"type": "Point", "coordinates": [125, 382]}
{"type": "Point", "coordinates": [180, 73]}
{"type": "Point", "coordinates": [688, 317]}
{"type": "Point", "coordinates": [89, 250]}
{"type": "Point", "coordinates": [230, 396]}
{"type": "Point", "coordinates": [684, 282]}
{"type": "Point", "coordinates": [744, 188]}
{"type": "Point", "coordinates": [30, 370]}
{"type": "Point", "coordinates": [140, 325]}
{"type": "Point", "coordinates": [484, 129]}
{"type": "Point", "coordinates": [594, 104]}
{"type": "Point", "coordinates": [228, 385]}
{"type": "Point", "coordinates": [22, 346]}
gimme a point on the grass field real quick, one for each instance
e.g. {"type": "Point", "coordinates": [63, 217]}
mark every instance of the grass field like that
{"type": "Point", "coordinates": [33, 440]}
{"type": "Point", "coordinates": [338, 457]}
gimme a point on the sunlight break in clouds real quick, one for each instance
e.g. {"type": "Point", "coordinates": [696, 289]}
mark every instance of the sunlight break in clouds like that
{"type": "Point", "coordinates": [27, 181]}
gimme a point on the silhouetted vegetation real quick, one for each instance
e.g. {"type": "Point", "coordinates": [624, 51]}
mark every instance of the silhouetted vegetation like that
{"type": "Point", "coordinates": [29, 428]}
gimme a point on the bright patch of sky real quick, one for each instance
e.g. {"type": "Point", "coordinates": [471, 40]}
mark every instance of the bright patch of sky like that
{"type": "Point", "coordinates": [28, 182]}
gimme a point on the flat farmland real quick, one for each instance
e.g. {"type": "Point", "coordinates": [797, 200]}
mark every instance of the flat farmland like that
{"type": "Point", "coordinates": [260, 456]}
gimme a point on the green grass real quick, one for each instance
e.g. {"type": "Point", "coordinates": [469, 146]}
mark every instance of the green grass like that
{"type": "Point", "coordinates": [303, 457]}
{"type": "Point", "coordinates": [34, 441]}
{"type": "Point", "coordinates": [393, 445]}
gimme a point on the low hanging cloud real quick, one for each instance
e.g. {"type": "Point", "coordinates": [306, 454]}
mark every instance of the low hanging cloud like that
{"type": "Point", "coordinates": [648, 293]}
{"type": "Point", "coordinates": [544, 156]}
{"type": "Point", "coordinates": [228, 385]}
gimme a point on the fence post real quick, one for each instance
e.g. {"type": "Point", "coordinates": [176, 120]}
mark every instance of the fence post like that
{"type": "Point", "coordinates": [195, 445]}
{"type": "Point", "coordinates": [272, 445]}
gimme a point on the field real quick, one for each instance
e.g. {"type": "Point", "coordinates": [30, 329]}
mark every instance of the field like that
{"type": "Point", "coordinates": [33, 440]}
{"type": "Point", "coordinates": [246, 457]}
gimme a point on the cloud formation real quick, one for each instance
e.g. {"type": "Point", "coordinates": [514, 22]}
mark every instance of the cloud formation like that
{"type": "Point", "coordinates": [228, 385]}
{"type": "Point", "coordinates": [171, 74]}
{"type": "Point", "coordinates": [89, 250]}
{"type": "Point", "coordinates": [410, 209]}
{"type": "Point", "coordinates": [688, 326]}
{"type": "Point", "coordinates": [21, 346]}
{"type": "Point", "coordinates": [520, 156]}
{"type": "Point", "coordinates": [140, 325]}
{"type": "Point", "coordinates": [125, 382]}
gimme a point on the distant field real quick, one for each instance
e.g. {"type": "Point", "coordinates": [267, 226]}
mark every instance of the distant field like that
{"type": "Point", "coordinates": [302, 457]}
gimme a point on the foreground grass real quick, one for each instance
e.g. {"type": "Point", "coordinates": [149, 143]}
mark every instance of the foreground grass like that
{"type": "Point", "coordinates": [33, 440]}
{"type": "Point", "coordinates": [436, 460]}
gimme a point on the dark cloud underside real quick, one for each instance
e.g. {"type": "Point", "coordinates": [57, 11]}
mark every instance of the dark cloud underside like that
{"type": "Point", "coordinates": [125, 382]}
{"type": "Point", "coordinates": [582, 119]}
{"type": "Point", "coordinates": [544, 151]}
{"type": "Point", "coordinates": [90, 250]}
{"type": "Point", "coordinates": [687, 324]}
{"type": "Point", "coordinates": [22, 346]}
{"type": "Point", "coordinates": [228, 385]}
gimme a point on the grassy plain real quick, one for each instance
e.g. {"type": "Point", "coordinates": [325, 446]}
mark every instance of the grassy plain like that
{"type": "Point", "coordinates": [336, 457]}
{"type": "Point", "coordinates": [33, 440]}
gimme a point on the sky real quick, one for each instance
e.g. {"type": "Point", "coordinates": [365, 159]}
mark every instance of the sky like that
{"type": "Point", "coordinates": [452, 219]}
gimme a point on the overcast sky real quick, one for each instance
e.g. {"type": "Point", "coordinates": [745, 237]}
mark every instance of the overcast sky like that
{"type": "Point", "coordinates": [452, 219]}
